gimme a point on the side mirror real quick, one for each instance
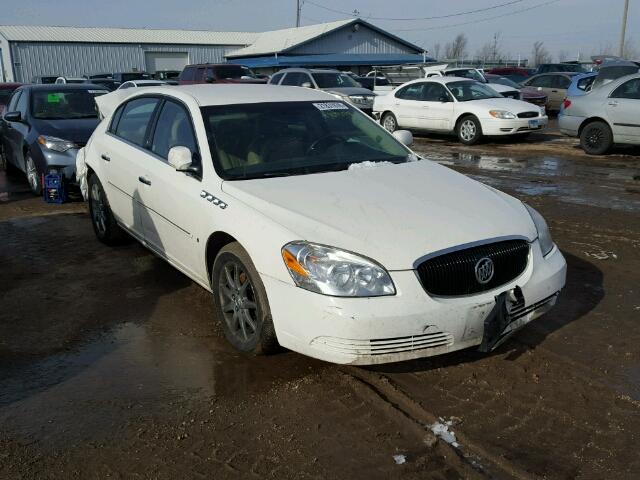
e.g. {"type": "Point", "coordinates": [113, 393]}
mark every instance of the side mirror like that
{"type": "Point", "coordinates": [13, 117]}
{"type": "Point", "coordinates": [209, 80]}
{"type": "Point", "coordinates": [180, 158]}
{"type": "Point", "coordinates": [306, 85]}
{"type": "Point", "coordinates": [405, 137]}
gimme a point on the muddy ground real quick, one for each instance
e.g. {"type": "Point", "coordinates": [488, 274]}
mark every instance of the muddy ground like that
{"type": "Point", "coordinates": [112, 364]}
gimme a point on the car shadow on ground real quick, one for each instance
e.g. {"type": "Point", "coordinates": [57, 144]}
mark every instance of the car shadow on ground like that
{"type": "Point", "coordinates": [575, 301]}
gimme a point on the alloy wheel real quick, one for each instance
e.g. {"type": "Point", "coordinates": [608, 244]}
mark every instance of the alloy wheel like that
{"type": "Point", "coordinates": [389, 123]}
{"type": "Point", "coordinates": [594, 138]}
{"type": "Point", "coordinates": [468, 130]}
{"type": "Point", "coordinates": [238, 301]}
{"type": "Point", "coordinates": [32, 175]}
{"type": "Point", "coordinates": [98, 209]}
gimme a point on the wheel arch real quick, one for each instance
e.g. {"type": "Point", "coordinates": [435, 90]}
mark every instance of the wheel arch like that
{"type": "Point", "coordinates": [591, 120]}
{"type": "Point", "coordinates": [216, 241]}
{"type": "Point", "coordinates": [463, 116]}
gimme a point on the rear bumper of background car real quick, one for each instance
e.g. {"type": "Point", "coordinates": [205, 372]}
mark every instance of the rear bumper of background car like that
{"type": "Point", "coordinates": [408, 325]}
{"type": "Point", "coordinates": [496, 127]}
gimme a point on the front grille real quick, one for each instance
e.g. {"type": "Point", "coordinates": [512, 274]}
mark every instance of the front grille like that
{"type": "Point", "coordinates": [385, 346]}
{"type": "Point", "coordinates": [454, 274]}
{"type": "Point", "coordinates": [528, 114]}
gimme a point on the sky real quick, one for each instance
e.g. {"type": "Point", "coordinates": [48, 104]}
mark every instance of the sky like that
{"type": "Point", "coordinates": [570, 26]}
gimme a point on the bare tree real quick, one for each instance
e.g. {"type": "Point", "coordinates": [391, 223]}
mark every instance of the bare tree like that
{"type": "Point", "coordinates": [436, 50]}
{"type": "Point", "coordinates": [457, 48]}
{"type": "Point", "coordinates": [540, 54]}
{"type": "Point", "coordinates": [563, 56]}
{"type": "Point", "coordinates": [492, 50]}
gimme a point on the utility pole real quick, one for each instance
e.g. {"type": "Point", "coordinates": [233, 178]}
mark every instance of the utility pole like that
{"type": "Point", "coordinates": [624, 28]}
{"type": "Point", "coordinates": [297, 13]}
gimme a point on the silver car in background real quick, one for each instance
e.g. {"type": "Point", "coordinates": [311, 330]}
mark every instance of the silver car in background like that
{"type": "Point", "coordinates": [607, 115]}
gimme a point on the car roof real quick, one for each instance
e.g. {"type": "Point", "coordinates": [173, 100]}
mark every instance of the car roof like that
{"type": "Point", "coordinates": [232, 94]}
{"type": "Point", "coordinates": [312, 70]}
{"type": "Point", "coordinates": [7, 85]}
{"type": "Point", "coordinates": [147, 81]}
{"type": "Point", "coordinates": [443, 80]}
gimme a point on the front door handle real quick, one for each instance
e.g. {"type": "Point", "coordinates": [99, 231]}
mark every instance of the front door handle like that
{"type": "Point", "coordinates": [105, 157]}
{"type": "Point", "coordinates": [613, 104]}
{"type": "Point", "coordinates": [144, 180]}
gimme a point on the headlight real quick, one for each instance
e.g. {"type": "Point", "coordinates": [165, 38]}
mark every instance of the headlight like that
{"type": "Point", "coordinates": [544, 236]}
{"type": "Point", "coordinates": [361, 99]}
{"type": "Point", "coordinates": [56, 144]}
{"type": "Point", "coordinates": [502, 114]}
{"type": "Point", "coordinates": [334, 272]}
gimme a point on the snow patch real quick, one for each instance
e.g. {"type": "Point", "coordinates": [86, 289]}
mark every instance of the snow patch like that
{"type": "Point", "coordinates": [368, 164]}
{"type": "Point", "coordinates": [399, 459]}
{"type": "Point", "coordinates": [441, 430]}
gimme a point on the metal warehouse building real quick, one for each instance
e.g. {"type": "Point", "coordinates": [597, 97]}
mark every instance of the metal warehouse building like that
{"type": "Point", "coordinates": [30, 51]}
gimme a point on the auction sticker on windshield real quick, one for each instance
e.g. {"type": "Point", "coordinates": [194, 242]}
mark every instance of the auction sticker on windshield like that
{"type": "Point", "coordinates": [53, 98]}
{"type": "Point", "coordinates": [330, 106]}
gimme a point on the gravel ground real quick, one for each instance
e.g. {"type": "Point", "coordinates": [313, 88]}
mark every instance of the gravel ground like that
{"type": "Point", "coordinates": [112, 363]}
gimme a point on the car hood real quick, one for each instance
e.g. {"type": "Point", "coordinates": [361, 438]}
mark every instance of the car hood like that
{"type": "Point", "coordinates": [76, 130]}
{"type": "Point", "coordinates": [513, 106]}
{"type": "Point", "coordinates": [394, 214]}
{"type": "Point", "coordinates": [498, 87]}
{"type": "Point", "coordinates": [348, 91]}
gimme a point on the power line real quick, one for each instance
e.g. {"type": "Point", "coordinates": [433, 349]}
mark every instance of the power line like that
{"type": "Point", "coordinates": [459, 14]}
{"type": "Point", "coordinates": [515, 12]}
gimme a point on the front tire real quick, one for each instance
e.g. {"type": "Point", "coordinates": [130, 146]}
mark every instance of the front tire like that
{"type": "Point", "coordinates": [102, 219]}
{"type": "Point", "coordinates": [469, 130]}
{"type": "Point", "coordinates": [240, 301]}
{"type": "Point", "coordinates": [389, 122]}
{"type": "Point", "coordinates": [596, 138]}
{"type": "Point", "coordinates": [33, 175]}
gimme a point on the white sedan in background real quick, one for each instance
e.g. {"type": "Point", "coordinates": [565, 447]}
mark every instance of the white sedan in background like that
{"type": "Point", "coordinates": [313, 227]}
{"type": "Point", "coordinates": [468, 108]}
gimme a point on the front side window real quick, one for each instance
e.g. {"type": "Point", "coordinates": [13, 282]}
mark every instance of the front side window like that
{"type": "Point", "coordinates": [334, 80]}
{"type": "Point", "coordinates": [465, 91]}
{"type": "Point", "coordinates": [630, 89]}
{"type": "Point", "coordinates": [22, 104]}
{"type": "Point", "coordinates": [65, 104]}
{"type": "Point", "coordinates": [135, 118]}
{"type": "Point", "coordinates": [14, 100]}
{"type": "Point", "coordinates": [5, 95]}
{"type": "Point", "coordinates": [172, 130]}
{"type": "Point", "coordinates": [228, 71]}
{"type": "Point", "coordinates": [250, 141]}
{"type": "Point", "coordinates": [188, 74]}
{"type": "Point", "coordinates": [294, 79]}
{"type": "Point", "coordinates": [434, 92]}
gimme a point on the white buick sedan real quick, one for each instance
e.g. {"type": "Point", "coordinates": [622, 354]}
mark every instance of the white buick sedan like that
{"type": "Point", "coordinates": [313, 227]}
{"type": "Point", "coordinates": [468, 108]}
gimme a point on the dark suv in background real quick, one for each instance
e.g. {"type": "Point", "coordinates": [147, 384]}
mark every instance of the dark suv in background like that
{"type": "Point", "coordinates": [218, 73]}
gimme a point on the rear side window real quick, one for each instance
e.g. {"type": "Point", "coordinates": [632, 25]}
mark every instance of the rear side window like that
{"type": "Point", "coordinates": [546, 81]}
{"type": "Point", "coordinates": [295, 79]}
{"type": "Point", "coordinates": [561, 82]}
{"type": "Point", "coordinates": [172, 130]}
{"type": "Point", "coordinates": [188, 74]}
{"type": "Point", "coordinates": [584, 83]}
{"type": "Point", "coordinates": [135, 118]}
{"type": "Point", "coordinates": [411, 92]}
{"type": "Point", "coordinates": [276, 78]}
{"type": "Point", "coordinates": [630, 89]}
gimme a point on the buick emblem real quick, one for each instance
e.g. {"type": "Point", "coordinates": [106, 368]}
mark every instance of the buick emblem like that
{"type": "Point", "coordinates": [484, 270]}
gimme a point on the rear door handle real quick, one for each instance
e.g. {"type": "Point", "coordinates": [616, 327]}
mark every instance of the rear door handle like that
{"type": "Point", "coordinates": [144, 180]}
{"type": "Point", "coordinates": [105, 157]}
{"type": "Point", "coordinates": [613, 104]}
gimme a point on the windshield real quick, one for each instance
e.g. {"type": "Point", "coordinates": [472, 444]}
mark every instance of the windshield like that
{"type": "Point", "coordinates": [466, 91]}
{"type": "Point", "coordinates": [503, 81]}
{"type": "Point", "coordinates": [229, 71]}
{"type": "Point", "coordinates": [263, 140]}
{"type": "Point", "coordinates": [334, 80]}
{"type": "Point", "coordinates": [471, 73]}
{"type": "Point", "coordinates": [64, 104]}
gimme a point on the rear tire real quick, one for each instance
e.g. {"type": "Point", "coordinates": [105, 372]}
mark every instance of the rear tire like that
{"type": "Point", "coordinates": [596, 138]}
{"type": "Point", "coordinates": [104, 224]}
{"type": "Point", "coordinates": [469, 130]}
{"type": "Point", "coordinates": [240, 301]}
{"type": "Point", "coordinates": [389, 122]}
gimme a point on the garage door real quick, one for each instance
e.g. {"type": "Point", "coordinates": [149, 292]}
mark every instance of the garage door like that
{"type": "Point", "coordinates": [159, 61]}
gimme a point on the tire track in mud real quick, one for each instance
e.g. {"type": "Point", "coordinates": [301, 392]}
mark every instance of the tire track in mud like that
{"type": "Point", "coordinates": [474, 460]}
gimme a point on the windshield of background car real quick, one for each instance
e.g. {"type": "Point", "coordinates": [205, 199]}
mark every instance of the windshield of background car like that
{"type": "Point", "coordinates": [466, 91]}
{"type": "Point", "coordinates": [334, 80]}
{"type": "Point", "coordinates": [64, 104]}
{"type": "Point", "coordinates": [504, 81]}
{"type": "Point", "coordinates": [127, 77]}
{"type": "Point", "coordinates": [466, 73]}
{"type": "Point", "coordinates": [263, 140]}
{"type": "Point", "coordinates": [229, 71]}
